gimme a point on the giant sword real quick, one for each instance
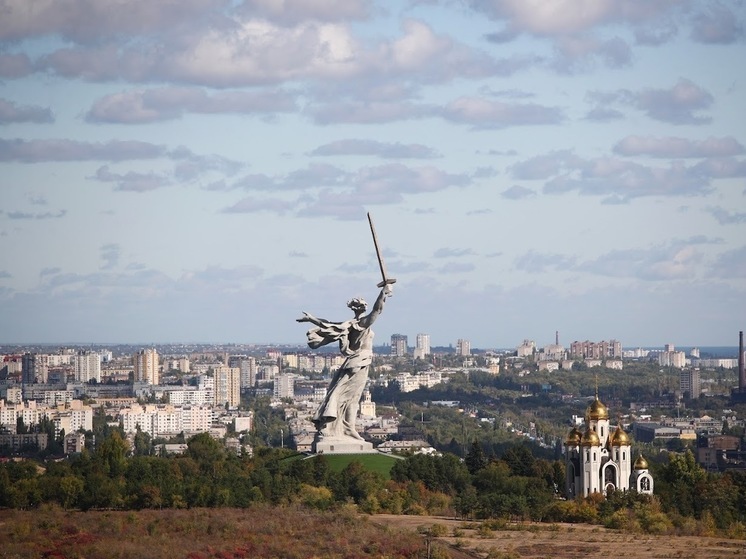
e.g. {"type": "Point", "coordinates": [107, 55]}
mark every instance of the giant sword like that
{"type": "Point", "coordinates": [386, 279]}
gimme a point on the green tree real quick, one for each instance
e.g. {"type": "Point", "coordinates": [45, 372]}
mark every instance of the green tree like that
{"type": "Point", "coordinates": [520, 460]}
{"type": "Point", "coordinates": [21, 428]}
{"type": "Point", "coordinates": [679, 484]}
{"type": "Point", "coordinates": [60, 484]}
{"type": "Point", "coordinates": [111, 455]}
{"type": "Point", "coordinates": [446, 473]}
{"type": "Point", "coordinates": [142, 443]}
{"type": "Point", "coordinates": [466, 502]}
{"type": "Point", "coordinates": [475, 458]}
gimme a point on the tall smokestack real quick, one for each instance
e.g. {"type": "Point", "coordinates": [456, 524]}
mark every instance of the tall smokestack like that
{"type": "Point", "coordinates": [556, 337]}
{"type": "Point", "coordinates": [741, 372]}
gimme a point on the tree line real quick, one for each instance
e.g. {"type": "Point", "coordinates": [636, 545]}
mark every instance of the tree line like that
{"type": "Point", "coordinates": [516, 486]}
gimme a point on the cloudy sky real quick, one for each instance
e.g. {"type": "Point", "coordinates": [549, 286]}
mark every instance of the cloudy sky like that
{"type": "Point", "coordinates": [200, 170]}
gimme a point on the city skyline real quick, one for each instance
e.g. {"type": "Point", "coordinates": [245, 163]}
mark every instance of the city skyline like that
{"type": "Point", "coordinates": [202, 174]}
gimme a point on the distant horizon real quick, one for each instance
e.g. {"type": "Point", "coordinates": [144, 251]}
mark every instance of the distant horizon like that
{"type": "Point", "coordinates": [718, 350]}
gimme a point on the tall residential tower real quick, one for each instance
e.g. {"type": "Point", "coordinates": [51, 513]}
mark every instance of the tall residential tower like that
{"type": "Point", "coordinates": [398, 345]}
{"type": "Point", "coordinates": [422, 347]}
{"type": "Point", "coordinates": [146, 366]}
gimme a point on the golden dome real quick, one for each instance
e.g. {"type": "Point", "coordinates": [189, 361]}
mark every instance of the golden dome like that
{"type": "Point", "coordinates": [574, 437]}
{"type": "Point", "coordinates": [590, 438]}
{"type": "Point", "coordinates": [620, 437]}
{"type": "Point", "coordinates": [597, 410]}
{"type": "Point", "coordinates": [641, 463]}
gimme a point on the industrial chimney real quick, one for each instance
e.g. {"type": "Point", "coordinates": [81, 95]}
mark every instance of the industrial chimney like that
{"type": "Point", "coordinates": [738, 395]}
{"type": "Point", "coordinates": [741, 372]}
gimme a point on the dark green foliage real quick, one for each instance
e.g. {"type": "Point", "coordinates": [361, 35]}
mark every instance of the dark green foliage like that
{"type": "Point", "coordinates": [680, 484]}
{"type": "Point", "coordinates": [475, 459]}
{"type": "Point", "coordinates": [520, 460]}
{"type": "Point", "coordinates": [446, 473]}
{"type": "Point", "coordinates": [518, 486]}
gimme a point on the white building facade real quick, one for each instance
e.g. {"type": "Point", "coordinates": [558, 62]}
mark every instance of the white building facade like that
{"type": "Point", "coordinates": [422, 346]}
{"type": "Point", "coordinates": [228, 386]}
{"type": "Point", "coordinates": [598, 461]}
{"type": "Point", "coordinates": [146, 366]}
{"type": "Point", "coordinates": [87, 366]}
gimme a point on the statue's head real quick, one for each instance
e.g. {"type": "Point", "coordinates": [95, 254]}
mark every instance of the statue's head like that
{"type": "Point", "coordinates": [358, 305]}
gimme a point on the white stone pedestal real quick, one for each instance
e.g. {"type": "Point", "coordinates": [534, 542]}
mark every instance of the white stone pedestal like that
{"type": "Point", "coordinates": [342, 445]}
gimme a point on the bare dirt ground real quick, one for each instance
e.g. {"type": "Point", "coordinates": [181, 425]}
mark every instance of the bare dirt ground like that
{"type": "Point", "coordinates": [566, 541]}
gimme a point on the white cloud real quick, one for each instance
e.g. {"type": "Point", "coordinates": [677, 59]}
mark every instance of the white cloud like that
{"type": "Point", "coordinates": [726, 217]}
{"type": "Point", "coordinates": [110, 254]}
{"type": "Point", "coordinates": [675, 105]}
{"type": "Point", "coordinates": [133, 107]}
{"type": "Point", "coordinates": [359, 112]}
{"type": "Point", "coordinates": [132, 181]}
{"type": "Point", "coordinates": [678, 104]}
{"type": "Point", "coordinates": [718, 25]}
{"type": "Point", "coordinates": [538, 263]}
{"type": "Point", "coordinates": [292, 12]}
{"type": "Point", "coordinates": [456, 268]}
{"type": "Point", "coordinates": [34, 151]}
{"type": "Point", "coordinates": [621, 180]}
{"type": "Point", "coordinates": [545, 166]}
{"type": "Point", "coordinates": [486, 113]}
{"type": "Point", "coordinates": [517, 192]}
{"type": "Point", "coordinates": [91, 22]}
{"type": "Point", "coordinates": [15, 65]}
{"type": "Point", "coordinates": [45, 215]}
{"type": "Point", "coordinates": [678, 147]}
{"type": "Point", "coordinates": [448, 252]}
{"type": "Point", "coordinates": [574, 27]}
{"type": "Point", "coordinates": [11, 112]}
{"type": "Point", "coordinates": [253, 205]}
{"type": "Point", "coordinates": [386, 150]}
{"type": "Point", "coordinates": [677, 260]}
{"type": "Point", "coordinates": [730, 265]}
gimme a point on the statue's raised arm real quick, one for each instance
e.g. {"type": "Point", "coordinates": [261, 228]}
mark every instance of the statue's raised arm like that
{"type": "Point", "coordinates": [370, 318]}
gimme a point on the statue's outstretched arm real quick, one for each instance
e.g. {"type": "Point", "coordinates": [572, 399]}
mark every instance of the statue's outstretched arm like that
{"type": "Point", "coordinates": [313, 320]}
{"type": "Point", "coordinates": [309, 318]}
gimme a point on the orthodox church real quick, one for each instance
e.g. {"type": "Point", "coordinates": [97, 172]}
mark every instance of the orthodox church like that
{"type": "Point", "coordinates": [599, 461]}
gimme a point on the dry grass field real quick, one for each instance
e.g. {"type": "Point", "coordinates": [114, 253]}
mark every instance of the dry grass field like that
{"type": "Point", "coordinates": [565, 541]}
{"type": "Point", "coordinates": [297, 533]}
{"type": "Point", "coordinates": [259, 531]}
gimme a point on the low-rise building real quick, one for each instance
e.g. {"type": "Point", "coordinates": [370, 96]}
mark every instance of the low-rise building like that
{"type": "Point", "coordinates": [74, 443]}
{"type": "Point", "coordinates": [15, 442]}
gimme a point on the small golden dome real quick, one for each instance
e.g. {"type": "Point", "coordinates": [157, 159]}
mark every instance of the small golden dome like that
{"type": "Point", "coordinates": [574, 437]}
{"type": "Point", "coordinates": [641, 463]}
{"type": "Point", "coordinates": [597, 410]}
{"type": "Point", "coordinates": [590, 438]}
{"type": "Point", "coordinates": [620, 437]}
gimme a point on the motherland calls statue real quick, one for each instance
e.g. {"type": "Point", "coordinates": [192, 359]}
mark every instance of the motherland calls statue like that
{"type": "Point", "coordinates": [335, 417]}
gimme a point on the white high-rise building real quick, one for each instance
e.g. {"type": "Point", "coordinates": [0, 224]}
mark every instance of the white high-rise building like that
{"type": "Point", "coordinates": [247, 366]}
{"type": "Point", "coordinates": [284, 386]}
{"type": "Point", "coordinates": [227, 386]}
{"type": "Point", "coordinates": [146, 366]}
{"type": "Point", "coordinates": [87, 366]}
{"type": "Point", "coordinates": [672, 358]}
{"type": "Point", "coordinates": [422, 347]}
{"type": "Point", "coordinates": [463, 347]}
